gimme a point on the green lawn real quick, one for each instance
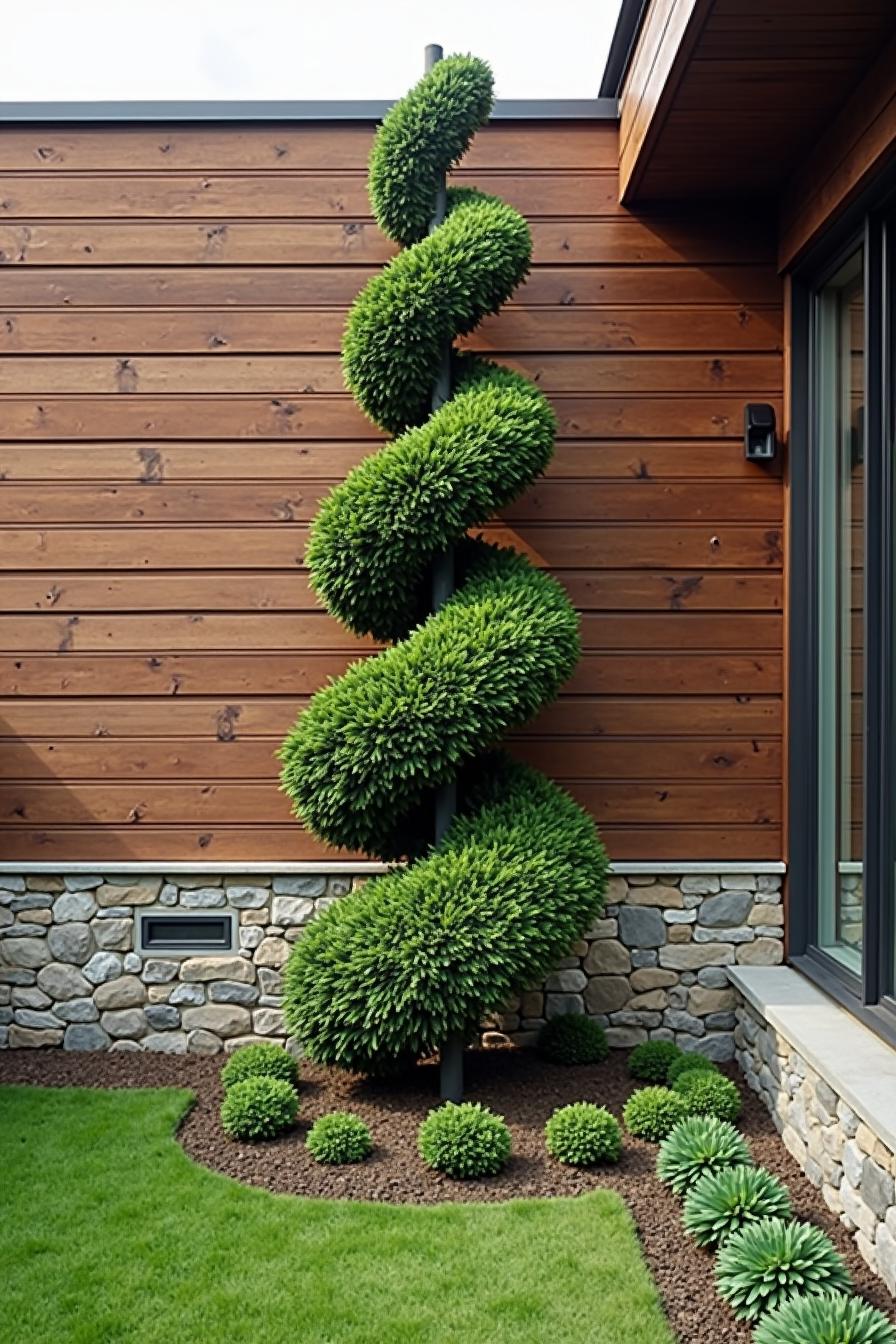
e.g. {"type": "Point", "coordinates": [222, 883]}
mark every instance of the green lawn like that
{"type": "Point", "coordinates": [109, 1232]}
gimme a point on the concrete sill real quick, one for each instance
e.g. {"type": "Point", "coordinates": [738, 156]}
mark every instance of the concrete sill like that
{"type": "Point", "coordinates": [859, 1066]}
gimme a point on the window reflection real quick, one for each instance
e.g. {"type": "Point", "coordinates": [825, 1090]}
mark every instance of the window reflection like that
{"type": "Point", "coordinates": [841, 563]}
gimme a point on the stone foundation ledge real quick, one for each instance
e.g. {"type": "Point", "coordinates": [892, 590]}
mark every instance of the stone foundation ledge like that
{"type": "Point", "coordinates": [830, 1086]}
{"type": "Point", "coordinates": [654, 966]}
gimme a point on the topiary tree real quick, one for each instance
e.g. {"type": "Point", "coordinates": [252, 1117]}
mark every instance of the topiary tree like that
{"type": "Point", "coordinates": [416, 957]}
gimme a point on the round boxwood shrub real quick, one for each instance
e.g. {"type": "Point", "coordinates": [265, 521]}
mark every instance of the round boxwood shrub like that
{"type": "Point", "coordinates": [697, 1145]}
{"type": "Point", "coordinates": [689, 1063]}
{"type": "Point", "coordinates": [257, 1061]}
{"type": "Point", "coordinates": [259, 1107]}
{"type": "Point", "coordinates": [573, 1039]}
{"type": "Point", "coordinates": [826, 1318]}
{"type": "Point", "coordinates": [709, 1094]}
{"type": "Point", "coordinates": [766, 1263]}
{"type": "Point", "coordinates": [651, 1112]}
{"type": "Point", "coordinates": [583, 1134]}
{"type": "Point", "coordinates": [338, 1138]}
{"type": "Point", "coordinates": [650, 1061]}
{"type": "Point", "coordinates": [723, 1201]}
{"type": "Point", "coordinates": [464, 1140]}
{"type": "Point", "coordinates": [423, 952]}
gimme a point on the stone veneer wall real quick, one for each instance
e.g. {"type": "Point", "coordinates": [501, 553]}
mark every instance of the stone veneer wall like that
{"type": "Point", "coordinates": [652, 967]}
{"type": "Point", "coordinates": [69, 974]}
{"type": "Point", "coordinates": [849, 1164]}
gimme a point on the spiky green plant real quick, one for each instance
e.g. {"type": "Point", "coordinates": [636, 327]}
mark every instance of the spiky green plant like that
{"type": "Point", "coordinates": [828, 1318]}
{"type": "Point", "coordinates": [767, 1263]}
{"type": "Point", "coordinates": [422, 953]}
{"type": "Point", "coordinates": [690, 1062]}
{"type": "Point", "coordinates": [709, 1094]}
{"type": "Point", "coordinates": [697, 1145]}
{"type": "Point", "coordinates": [721, 1202]}
{"type": "Point", "coordinates": [650, 1061]}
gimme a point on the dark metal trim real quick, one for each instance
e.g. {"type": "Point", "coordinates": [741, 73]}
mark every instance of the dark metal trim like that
{"type": "Point", "coordinates": [285, 110]}
{"type": "Point", "coordinates": [622, 46]}
{"type": "Point", "coordinates": [876, 627]}
{"type": "Point", "coordinates": [803, 679]}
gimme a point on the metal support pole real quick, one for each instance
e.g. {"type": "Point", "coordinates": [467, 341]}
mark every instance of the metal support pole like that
{"type": "Point", "coordinates": [451, 1079]}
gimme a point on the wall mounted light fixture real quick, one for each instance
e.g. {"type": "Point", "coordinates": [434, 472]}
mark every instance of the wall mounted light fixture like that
{"type": "Point", "coordinates": [760, 443]}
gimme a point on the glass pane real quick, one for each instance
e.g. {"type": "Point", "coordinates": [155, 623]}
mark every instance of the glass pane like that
{"type": "Point", "coordinates": [841, 382]}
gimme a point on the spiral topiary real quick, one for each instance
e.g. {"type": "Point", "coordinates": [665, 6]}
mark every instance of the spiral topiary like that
{"type": "Point", "coordinates": [723, 1201]}
{"type": "Point", "coordinates": [766, 1263]}
{"type": "Point", "coordinates": [829, 1318]}
{"type": "Point", "coordinates": [420, 954]}
{"type": "Point", "coordinates": [697, 1145]}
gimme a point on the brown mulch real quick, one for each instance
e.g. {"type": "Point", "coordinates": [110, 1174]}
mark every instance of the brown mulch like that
{"type": "Point", "coordinates": [522, 1088]}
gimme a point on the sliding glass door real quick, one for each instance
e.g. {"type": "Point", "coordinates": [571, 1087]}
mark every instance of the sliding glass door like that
{"type": "Point", "coordinates": [843, 603]}
{"type": "Point", "coordinates": [840, 372]}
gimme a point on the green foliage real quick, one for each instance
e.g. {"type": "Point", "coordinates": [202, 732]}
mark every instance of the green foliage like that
{"type": "Point", "coordinates": [573, 1038]}
{"type": "Point", "coordinates": [376, 534]}
{"type": "Point", "coordinates": [723, 1201]}
{"type": "Point", "coordinates": [339, 1137]}
{"type": "Point", "coordinates": [650, 1061]}
{"type": "Point", "coordinates": [253, 1061]}
{"type": "Point", "coordinates": [425, 951]}
{"type": "Point", "coordinates": [444, 286]}
{"type": "Point", "coordinates": [698, 1145]}
{"type": "Point", "coordinates": [766, 1263]}
{"type": "Point", "coordinates": [652, 1112]}
{"type": "Point", "coordinates": [689, 1062]}
{"type": "Point", "coordinates": [464, 1140]}
{"type": "Point", "coordinates": [389, 971]}
{"type": "Point", "coordinates": [583, 1134]}
{"type": "Point", "coordinates": [362, 761]}
{"type": "Point", "coordinates": [709, 1094]}
{"type": "Point", "coordinates": [828, 1318]}
{"type": "Point", "coordinates": [259, 1107]}
{"type": "Point", "coordinates": [423, 135]}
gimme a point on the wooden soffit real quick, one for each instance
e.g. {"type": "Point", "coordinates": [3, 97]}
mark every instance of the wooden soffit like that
{"type": "Point", "coordinates": [723, 98]}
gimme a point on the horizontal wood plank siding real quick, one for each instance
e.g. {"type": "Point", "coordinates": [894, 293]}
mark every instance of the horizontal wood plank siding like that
{"type": "Point", "coordinates": [172, 293]}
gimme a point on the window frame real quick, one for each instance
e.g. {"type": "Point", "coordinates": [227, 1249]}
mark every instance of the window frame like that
{"type": "Point", "coordinates": [871, 225]}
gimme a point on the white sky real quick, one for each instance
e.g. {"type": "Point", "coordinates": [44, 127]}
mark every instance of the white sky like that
{"type": "Point", "coordinates": [97, 49]}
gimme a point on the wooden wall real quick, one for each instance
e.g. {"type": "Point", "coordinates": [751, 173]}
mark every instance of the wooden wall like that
{"type": "Point", "coordinates": [171, 412]}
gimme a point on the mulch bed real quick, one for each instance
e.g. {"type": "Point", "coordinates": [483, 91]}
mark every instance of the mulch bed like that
{"type": "Point", "coordinates": [522, 1088]}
